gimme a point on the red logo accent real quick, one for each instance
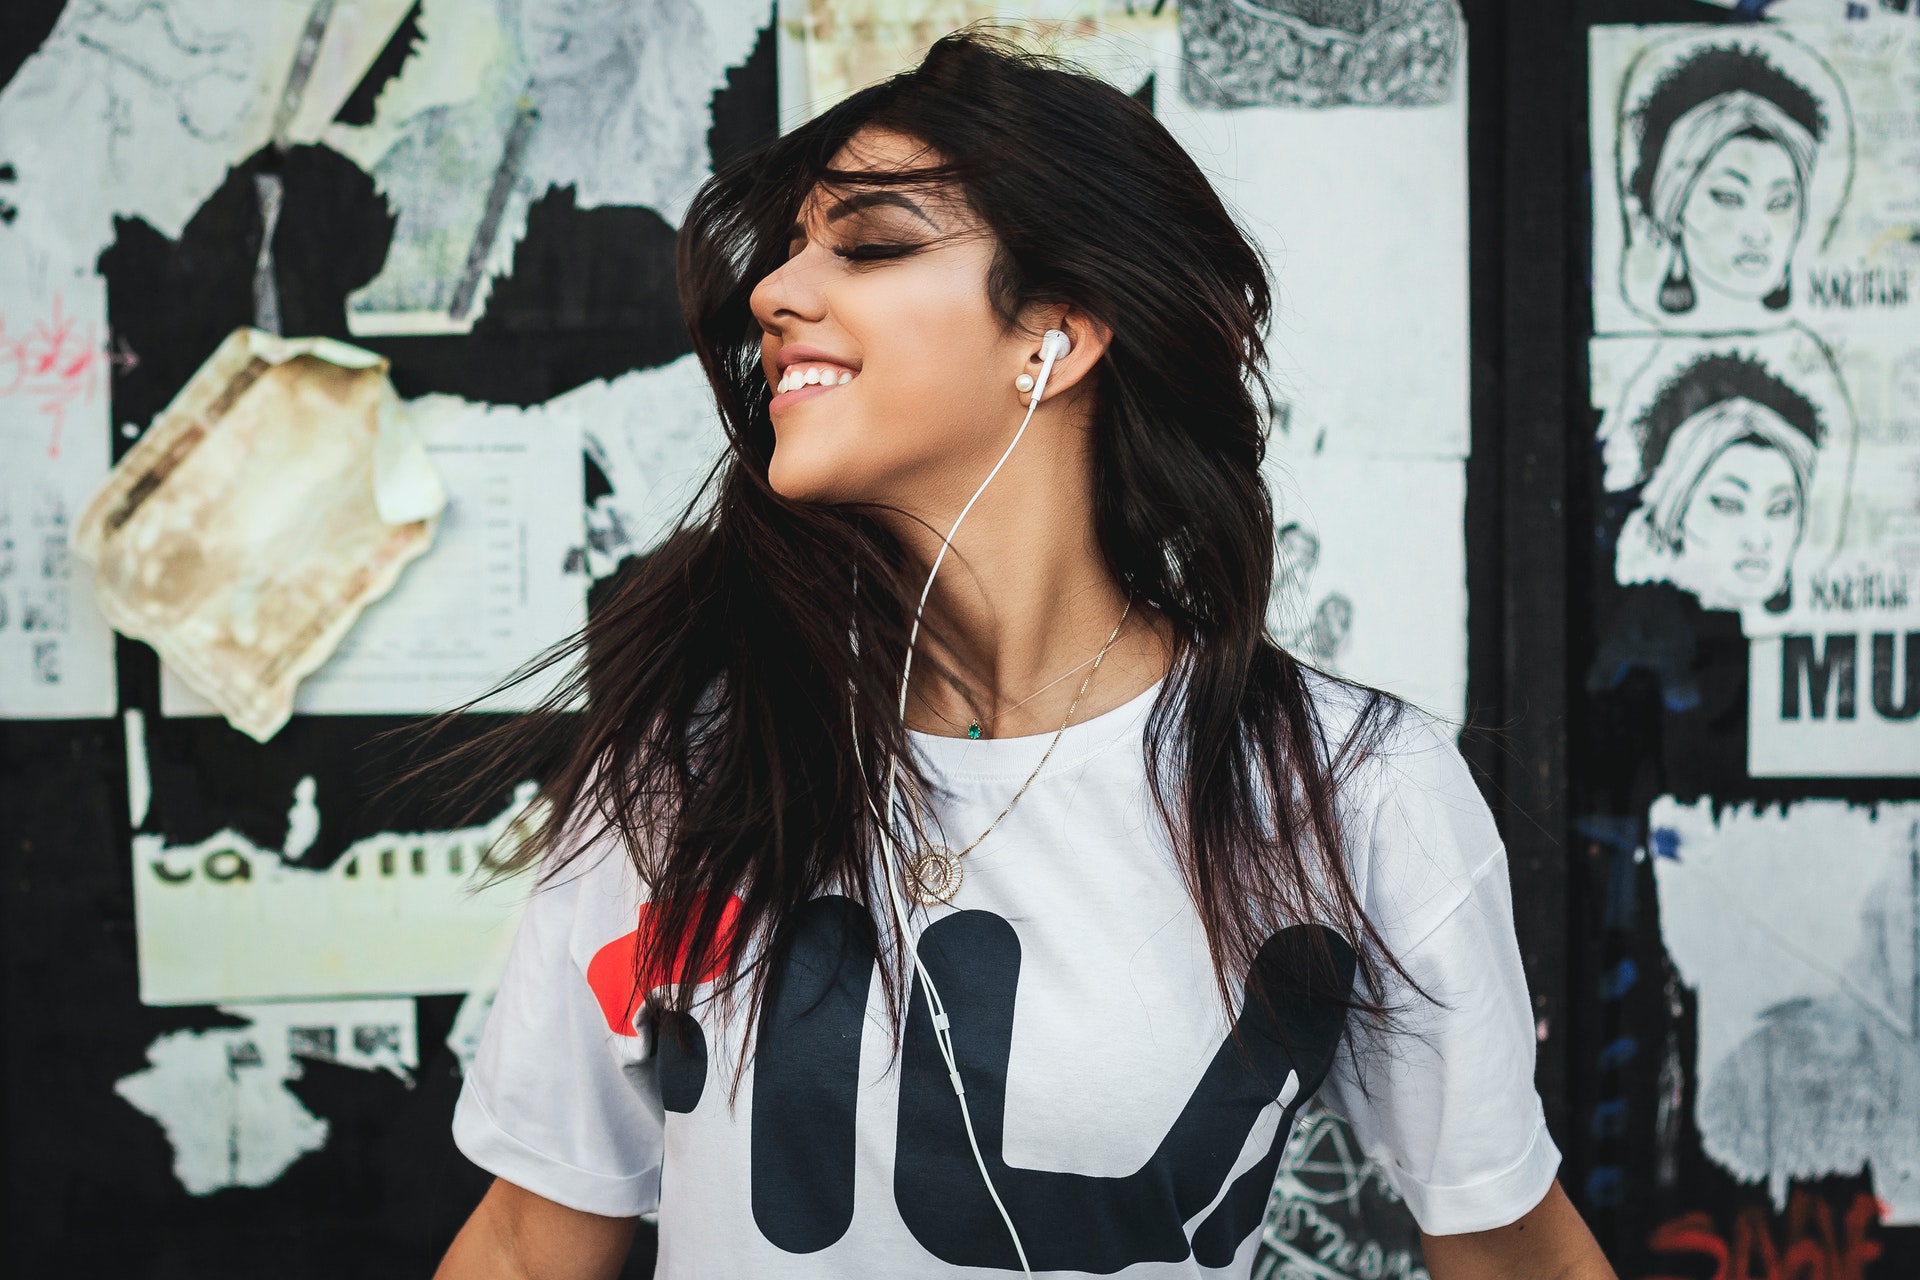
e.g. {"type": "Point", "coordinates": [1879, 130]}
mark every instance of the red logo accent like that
{"type": "Point", "coordinates": [618, 981]}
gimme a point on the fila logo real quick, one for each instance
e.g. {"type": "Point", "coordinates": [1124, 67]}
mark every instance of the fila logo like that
{"type": "Point", "coordinates": [806, 1094]}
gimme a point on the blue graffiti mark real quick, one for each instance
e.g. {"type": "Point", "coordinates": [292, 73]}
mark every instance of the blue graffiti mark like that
{"type": "Point", "coordinates": [1619, 980]}
{"type": "Point", "coordinates": [1611, 830]}
{"type": "Point", "coordinates": [1623, 884]}
{"type": "Point", "coordinates": [1606, 1187]}
{"type": "Point", "coordinates": [1610, 1118]}
{"type": "Point", "coordinates": [1618, 1053]}
{"type": "Point", "coordinates": [1666, 843]}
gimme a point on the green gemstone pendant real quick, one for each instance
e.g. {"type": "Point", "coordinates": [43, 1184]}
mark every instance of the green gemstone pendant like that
{"type": "Point", "coordinates": [973, 729]}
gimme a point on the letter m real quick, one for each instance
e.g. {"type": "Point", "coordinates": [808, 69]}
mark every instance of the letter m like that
{"type": "Point", "coordinates": [1834, 667]}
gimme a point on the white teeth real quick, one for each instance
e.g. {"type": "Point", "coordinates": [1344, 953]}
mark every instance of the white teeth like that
{"type": "Point", "coordinates": [816, 375]}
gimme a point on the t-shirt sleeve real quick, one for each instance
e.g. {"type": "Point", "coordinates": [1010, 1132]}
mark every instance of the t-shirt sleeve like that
{"type": "Point", "coordinates": [1444, 1101]}
{"type": "Point", "coordinates": [556, 1101]}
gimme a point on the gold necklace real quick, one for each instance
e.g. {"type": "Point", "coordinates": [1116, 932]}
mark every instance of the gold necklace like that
{"type": "Point", "coordinates": [933, 872]}
{"type": "Point", "coordinates": [973, 726]}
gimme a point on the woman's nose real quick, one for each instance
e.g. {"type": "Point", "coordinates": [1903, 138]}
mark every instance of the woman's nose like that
{"type": "Point", "coordinates": [792, 293]}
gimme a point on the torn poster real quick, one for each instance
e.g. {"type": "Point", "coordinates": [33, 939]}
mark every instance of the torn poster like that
{"type": "Point", "coordinates": [280, 492]}
{"type": "Point", "coordinates": [656, 437]}
{"type": "Point", "coordinates": [223, 920]}
{"type": "Point", "coordinates": [492, 592]}
{"type": "Point", "coordinates": [505, 100]}
{"type": "Point", "coordinates": [220, 1094]}
{"type": "Point", "coordinates": [1799, 929]}
{"type": "Point", "coordinates": [56, 651]}
{"type": "Point", "coordinates": [845, 45]}
{"type": "Point", "coordinates": [1746, 176]}
{"type": "Point", "coordinates": [138, 108]}
{"type": "Point", "coordinates": [1369, 552]}
{"type": "Point", "coordinates": [1320, 53]}
{"type": "Point", "coordinates": [1739, 452]}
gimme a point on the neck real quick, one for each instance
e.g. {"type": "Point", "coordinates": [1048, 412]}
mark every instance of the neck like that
{"type": "Point", "coordinates": [1023, 596]}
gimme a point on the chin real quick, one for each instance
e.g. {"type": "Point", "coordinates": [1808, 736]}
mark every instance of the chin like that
{"type": "Point", "coordinates": [803, 477]}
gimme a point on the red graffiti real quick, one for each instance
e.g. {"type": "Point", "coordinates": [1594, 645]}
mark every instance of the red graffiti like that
{"type": "Point", "coordinates": [52, 362]}
{"type": "Point", "coordinates": [619, 981]}
{"type": "Point", "coordinates": [1813, 1250]}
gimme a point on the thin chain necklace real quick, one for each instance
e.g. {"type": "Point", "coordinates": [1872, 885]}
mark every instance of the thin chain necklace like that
{"type": "Point", "coordinates": [973, 725]}
{"type": "Point", "coordinates": [933, 872]}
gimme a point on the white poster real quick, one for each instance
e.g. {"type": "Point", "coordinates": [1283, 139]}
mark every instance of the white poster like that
{"type": "Point", "coordinates": [1799, 929]}
{"type": "Point", "coordinates": [1371, 572]}
{"type": "Point", "coordinates": [222, 920]}
{"type": "Point", "coordinates": [220, 1094]}
{"type": "Point", "coordinates": [1746, 176]}
{"type": "Point", "coordinates": [56, 651]}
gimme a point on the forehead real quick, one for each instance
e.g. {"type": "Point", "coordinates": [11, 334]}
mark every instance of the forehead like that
{"type": "Point", "coordinates": [893, 158]}
{"type": "Point", "coordinates": [1747, 457]}
{"type": "Point", "coordinates": [1745, 151]}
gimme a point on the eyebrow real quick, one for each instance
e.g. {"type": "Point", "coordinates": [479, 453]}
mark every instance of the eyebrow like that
{"type": "Point", "coordinates": [1729, 169]}
{"type": "Point", "coordinates": [1736, 480]}
{"type": "Point", "coordinates": [876, 199]}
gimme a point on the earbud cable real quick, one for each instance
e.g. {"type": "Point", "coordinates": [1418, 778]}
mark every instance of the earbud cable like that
{"type": "Point", "coordinates": [942, 1025]}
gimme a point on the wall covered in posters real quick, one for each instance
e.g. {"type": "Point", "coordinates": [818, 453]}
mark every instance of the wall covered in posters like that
{"type": "Point", "coordinates": [1749, 741]}
{"type": "Point", "coordinates": [241, 990]}
{"type": "Point", "coordinates": [385, 285]}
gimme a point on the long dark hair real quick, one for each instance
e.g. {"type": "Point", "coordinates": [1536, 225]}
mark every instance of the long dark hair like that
{"type": "Point", "coordinates": [717, 682]}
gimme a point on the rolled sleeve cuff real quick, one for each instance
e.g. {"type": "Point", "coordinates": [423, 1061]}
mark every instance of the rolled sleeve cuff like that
{"type": "Point", "coordinates": [1498, 1201]}
{"type": "Point", "coordinates": [482, 1140]}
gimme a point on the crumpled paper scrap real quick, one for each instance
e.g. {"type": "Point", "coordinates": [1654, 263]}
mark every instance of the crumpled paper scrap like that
{"type": "Point", "coordinates": [281, 492]}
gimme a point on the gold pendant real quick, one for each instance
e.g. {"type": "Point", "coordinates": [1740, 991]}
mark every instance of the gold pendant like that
{"type": "Point", "coordinates": [933, 876]}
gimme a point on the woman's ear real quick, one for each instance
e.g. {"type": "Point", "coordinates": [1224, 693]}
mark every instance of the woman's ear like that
{"type": "Point", "coordinates": [1089, 338]}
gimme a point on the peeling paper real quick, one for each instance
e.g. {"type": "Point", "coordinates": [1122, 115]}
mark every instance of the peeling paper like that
{"type": "Point", "coordinates": [499, 584]}
{"type": "Point", "coordinates": [1800, 931]}
{"type": "Point", "coordinates": [220, 1095]}
{"type": "Point", "coordinates": [223, 920]}
{"type": "Point", "coordinates": [279, 493]}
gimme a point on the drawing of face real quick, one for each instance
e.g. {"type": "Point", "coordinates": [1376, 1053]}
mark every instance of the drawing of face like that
{"type": "Point", "coordinates": [1299, 555]}
{"type": "Point", "coordinates": [1740, 527]}
{"type": "Point", "coordinates": [1743, 218]}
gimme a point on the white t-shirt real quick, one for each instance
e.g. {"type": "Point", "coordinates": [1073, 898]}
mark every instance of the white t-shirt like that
{"type": "Point", "coordinates": [1127, 1134]}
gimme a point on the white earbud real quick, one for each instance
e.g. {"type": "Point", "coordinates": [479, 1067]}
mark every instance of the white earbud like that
{"type": "Point", "coordinates": [1054, 345]}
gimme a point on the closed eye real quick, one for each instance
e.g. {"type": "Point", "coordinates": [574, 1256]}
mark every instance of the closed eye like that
{"type": "Point", "coordinates": [875, 252]}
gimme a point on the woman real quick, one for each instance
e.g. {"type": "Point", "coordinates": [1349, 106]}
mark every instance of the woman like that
{"type": "Point", "coordinates": [1728, 451]}
{"type": "Point", "coordinates": [1145, 884]}
{"type": "Point", "coordinates": [1727, 144]}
